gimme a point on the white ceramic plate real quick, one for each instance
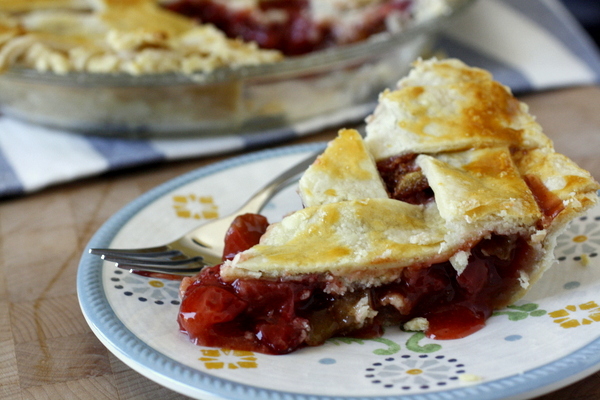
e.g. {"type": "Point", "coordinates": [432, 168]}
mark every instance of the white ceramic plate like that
{"type": "Point", "coordinates": [548, 340]}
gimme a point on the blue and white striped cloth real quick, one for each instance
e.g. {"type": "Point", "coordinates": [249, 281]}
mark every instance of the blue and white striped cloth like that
{"type": "Point", "coordinates": [528, 45]}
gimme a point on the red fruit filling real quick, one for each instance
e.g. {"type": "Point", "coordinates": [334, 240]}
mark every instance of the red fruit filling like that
{"type": "Point", "coordinates": [404, 180]}
{"type": "Point", "coordinates": [280, 316]}
{"type": "Point", "coordinates": [293, 32]}
{"type": "Point", "coordinates": [277, 317]}
{"type": "Point", "coordinates": [245, 231]}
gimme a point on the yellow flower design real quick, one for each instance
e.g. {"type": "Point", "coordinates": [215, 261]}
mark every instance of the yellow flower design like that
{"type": "Point", "coordinates": [573, 316]}
{"type": "Point", "coordinates": [414, 371]}
{"type": "Point", "coordinates": [225, 358]}
{"type": "Point", "coordinates": [197, 207]}
{"type": "Point", "coordinates": [420, 371]}
{"type": "Point", "coordinates": [580, 241]}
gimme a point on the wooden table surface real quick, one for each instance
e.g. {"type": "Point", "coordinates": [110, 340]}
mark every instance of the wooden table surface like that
{"type": "Point", "coordinates": [47, 351]}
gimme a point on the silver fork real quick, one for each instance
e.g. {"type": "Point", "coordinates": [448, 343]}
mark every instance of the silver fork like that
{"type": "Point", "coordinates": [202, 246]}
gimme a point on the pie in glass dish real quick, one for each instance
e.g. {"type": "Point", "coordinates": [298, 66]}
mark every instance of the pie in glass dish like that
{"type": "Point", "coordinates": [115, 36]}
{"type": "Point", "coordinates": [448, 209]}
{"type": "Point", "coordinates": [186, 36]}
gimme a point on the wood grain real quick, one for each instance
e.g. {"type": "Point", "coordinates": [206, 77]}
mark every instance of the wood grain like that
{"type": "Point", "coordinates": [47, 350]}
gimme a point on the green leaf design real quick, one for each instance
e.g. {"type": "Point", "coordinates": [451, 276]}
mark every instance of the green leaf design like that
{"type": "Point", "coordinates": [521, 312]}
{"type": "Point", "coordinates": [514, 315]}
{"type": "Point", "coordinates": [525, 307]}
{"type": "Point", "coordinates": [517, 316]}
{"type": "Point", "coordinates": [413, 344]}
{"type": "Point", "coordinates": [393, 347]}
{"type": "Point", "coordinates": [345, 340]}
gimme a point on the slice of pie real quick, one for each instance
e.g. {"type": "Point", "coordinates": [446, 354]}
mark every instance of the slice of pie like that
{"type": "Point", "coordinates": [447, 210]}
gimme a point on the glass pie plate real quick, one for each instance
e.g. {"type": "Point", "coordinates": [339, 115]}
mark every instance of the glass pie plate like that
{"type": "Point", "coordinates": [332, 86]}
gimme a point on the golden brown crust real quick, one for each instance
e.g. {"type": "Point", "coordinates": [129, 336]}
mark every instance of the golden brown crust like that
{"type": "Point", "coordinates": [34, 5]}
{"type": "Point", "coordinates": [447, 106]}
{"type": "Point", "coordinates": [368, 241]}
{"type": "Point", "coordinates": [345, 171]}
{"type": "Point", "coordinates": [492, 170]}
{"type": "Point", "coordinates": [574, 186]}
{"type": "Point", "coordinates": [480, 191]}
{"type": "Point", "coordinates": [112, 36]}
